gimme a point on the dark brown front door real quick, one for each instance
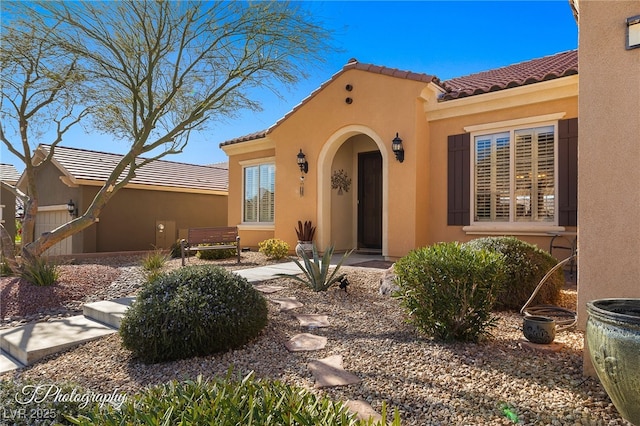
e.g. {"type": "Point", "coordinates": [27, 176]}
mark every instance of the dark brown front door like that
{"type": "Point", "coordinates": [370, 200]}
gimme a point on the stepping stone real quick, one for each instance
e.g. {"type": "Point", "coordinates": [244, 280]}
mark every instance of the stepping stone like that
{"type": "Point", "coordinates": [536, 347]}
{"type": "Point", "coordinates": [328, 372]}
{"type": "Point", "coordinates": [286, 303]}
{"type": "Point", "coordinates": [306, 342]}
{"type": "Point", "coordinates": [268, 289]}
{"type": "Point", "coordinates": [313, 320]}
{"type": "Point", "coordinates": [363, 410]}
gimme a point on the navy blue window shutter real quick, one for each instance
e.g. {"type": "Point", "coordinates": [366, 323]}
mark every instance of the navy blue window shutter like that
{"type": "Point", "coordinates": [458, 179]}
{"type": "Point", "coordinates": [568, 172]}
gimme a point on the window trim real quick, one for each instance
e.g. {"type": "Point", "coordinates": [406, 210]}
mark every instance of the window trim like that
{"type": "Point", "coordinates": [257, 162]}
{"type": "Point", "coordinates": [512, 227]}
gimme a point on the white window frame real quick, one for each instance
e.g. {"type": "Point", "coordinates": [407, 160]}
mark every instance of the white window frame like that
{"type": "Point", "coordinates": [513, 226]}
{"type": "Point", "coordinates": [249, 164]}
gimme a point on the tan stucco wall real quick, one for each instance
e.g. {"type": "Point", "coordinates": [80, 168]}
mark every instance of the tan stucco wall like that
{"type": "Point", "coordinates": [8, 200]}
{"type": "Point", "coordinates": [609, 157]}
{"type": "Point", "coordinates": [436, 218]}
{"type": "Point", "coordinates": [128, 221]}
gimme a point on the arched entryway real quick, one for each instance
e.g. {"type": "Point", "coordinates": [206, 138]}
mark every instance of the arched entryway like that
{"type": "Point", "coordinates": [354, 216]}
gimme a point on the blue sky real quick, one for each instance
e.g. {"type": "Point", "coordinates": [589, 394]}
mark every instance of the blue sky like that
{"type": "Point", "coordinates": [443, 38]}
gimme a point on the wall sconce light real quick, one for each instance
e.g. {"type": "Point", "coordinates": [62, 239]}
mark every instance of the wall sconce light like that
{"type": "Point", "coordinates": [302, 162]}
{"type": "Point", "coordinates": [398, 150]}
{"type": "Point", "coordinates": [633, 32]}
{"type": "Point", "coordinates": [72, 209]}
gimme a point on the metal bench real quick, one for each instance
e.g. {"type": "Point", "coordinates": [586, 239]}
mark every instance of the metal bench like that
{"type": "Point", "coordinates": [221, 238]}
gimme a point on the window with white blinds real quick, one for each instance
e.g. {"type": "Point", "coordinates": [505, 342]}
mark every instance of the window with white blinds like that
{"type": "Point", "coordinates": [514, 176]}
{"type": "Point", "coordinates": [259, 193]}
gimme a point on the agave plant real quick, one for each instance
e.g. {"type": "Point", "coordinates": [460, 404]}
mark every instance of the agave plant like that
{"type": "Point", "coordinates": [318, 274]}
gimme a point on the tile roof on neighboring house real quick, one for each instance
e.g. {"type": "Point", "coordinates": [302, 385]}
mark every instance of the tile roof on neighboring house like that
{"type": "Point", "coordinates": [9, 174]}
{"type": "Point", "coordinates": [92, 167]}
{"type": "Point", "coordinates": [534, 71]}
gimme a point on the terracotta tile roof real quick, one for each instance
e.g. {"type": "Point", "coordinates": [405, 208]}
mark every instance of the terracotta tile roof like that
{"type": "Point", "coordinates": [533, 71]}
{"type": "Point", "coordinates": [351, 64]}
{"type": "Point", "coordinates": [81, 164]}
{"type": "Point", "coordinates": [9, 174]}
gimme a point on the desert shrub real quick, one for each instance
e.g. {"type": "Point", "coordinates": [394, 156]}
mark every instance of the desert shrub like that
{"type": "Point", "coordinates": [192, 311]}
{"type": "Point", "coordinates": [40, 271]}
{"type": "Point", "coordinates": [227, 402]}
{"type": "Point", "coordinates": [5, 269]}
{"type": "Point", "coordinates": [215, 254]}
{"type": "Point", "coordinates": [175, 250]}
{"type": "Point", "coordinates": [448, 290]}
{"type": "Point", "coordinates": [525, 266]}
{"type": "Point", "coordinates": [153, 263]}
{"type": "Point", "coordinates": [19, 408]}
{"type": "Point", "coordinates": [274, 248]}
{"type": "Point", "coordinates": [317, 272]}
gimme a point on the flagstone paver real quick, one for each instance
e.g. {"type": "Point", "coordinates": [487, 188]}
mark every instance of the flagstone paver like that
{"type": "Point", "coordinates": [363, 410]}
{"type": "Point", "coordinates": [286, 303]}
{"type": "Point", "coordinates": [328, 372]}
{"type": "Point", "coordinates": [313, 320]}
{"type": "Point", "coordinates": [267, 288]}
{"type": "Point", "coordinates": [306, 342]}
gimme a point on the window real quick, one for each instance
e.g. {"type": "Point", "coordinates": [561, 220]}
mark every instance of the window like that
{"type": "Point", "coordinates": [514, 176]}
{"type": "Point", "coordinates": [259, 193]}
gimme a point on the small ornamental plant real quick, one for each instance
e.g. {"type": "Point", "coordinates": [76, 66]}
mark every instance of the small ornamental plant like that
{"type": "Point", "coordinates": [305, 232]}
{"type": "Point", "coordinates": [317, 272]}
{"type": "Point", "coordinates": [274, 248]}
{"type": "Point", "coordinates": [193, 311]}
{"type": "Point", "coordinates": [448, 290]}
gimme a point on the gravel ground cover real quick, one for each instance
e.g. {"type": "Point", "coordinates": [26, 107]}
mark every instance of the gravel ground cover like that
{"type": "Point", "coordinates": [493, 382]}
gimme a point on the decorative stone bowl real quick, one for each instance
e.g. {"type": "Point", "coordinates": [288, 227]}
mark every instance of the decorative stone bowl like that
{"type": "Point", "coordinates": [539, 329]}
{"type": "Point", "coordinates": [613, 338]}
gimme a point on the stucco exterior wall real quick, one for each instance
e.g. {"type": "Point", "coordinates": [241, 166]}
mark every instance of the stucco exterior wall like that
{"type": "Point", "coordinates": [128, 221]}
{"type": "Point", "coordinates": [436, 217]}
{"type": "Point", "coordinates": [609, 157]}
{"type": "Point", "coordinates": [8, 200]}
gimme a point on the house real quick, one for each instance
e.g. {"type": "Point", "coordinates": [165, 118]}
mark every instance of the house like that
{"type": "Point", "coordinates": [9, 175]}
{"type": "Point", "coordinates": [609, 176]}
{"type": "Point", "coordinates": [384, 160]}
{"type": "Point", "coordinates": [156, 207]}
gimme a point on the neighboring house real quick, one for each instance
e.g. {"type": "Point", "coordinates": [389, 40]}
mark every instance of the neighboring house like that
{"type": "Point", "coordinates": [8, 175]}
{"type": "Point", "coordinates": [157, 206]}
{"type": "Point", "coordinates": [493, 153]}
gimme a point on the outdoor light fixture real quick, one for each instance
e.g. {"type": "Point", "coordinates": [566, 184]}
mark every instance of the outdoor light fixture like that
{"type": "Point", "coordinates": [398, 150]}
{"type": "Point", "coordinates": [633, 32]}
{"type": "Point", "coordinates": [72, 209]}
{"type": "Point", "coordinates": [302, 162]}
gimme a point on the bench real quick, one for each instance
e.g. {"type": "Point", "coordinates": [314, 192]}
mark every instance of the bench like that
{"type": "Point", "coordinates": [221, 238]}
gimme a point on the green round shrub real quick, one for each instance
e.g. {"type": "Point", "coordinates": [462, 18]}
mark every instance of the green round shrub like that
{"type": "Point", "coordinates": [448, 290]}
{"type": "Point", "coordinates": [525, 266]}
{"type": "Point", "coordinates": [274, 248]}
{"type": "Point", "coordinates": [193, 311]}
{"type": "Point", "coordinates": [228, 401]}
{"type": "Point", "coordinates": [215, 254]}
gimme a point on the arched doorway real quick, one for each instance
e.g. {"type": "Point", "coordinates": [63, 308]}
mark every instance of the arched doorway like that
{"type": "Point", "coordinates": [356, 218]}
